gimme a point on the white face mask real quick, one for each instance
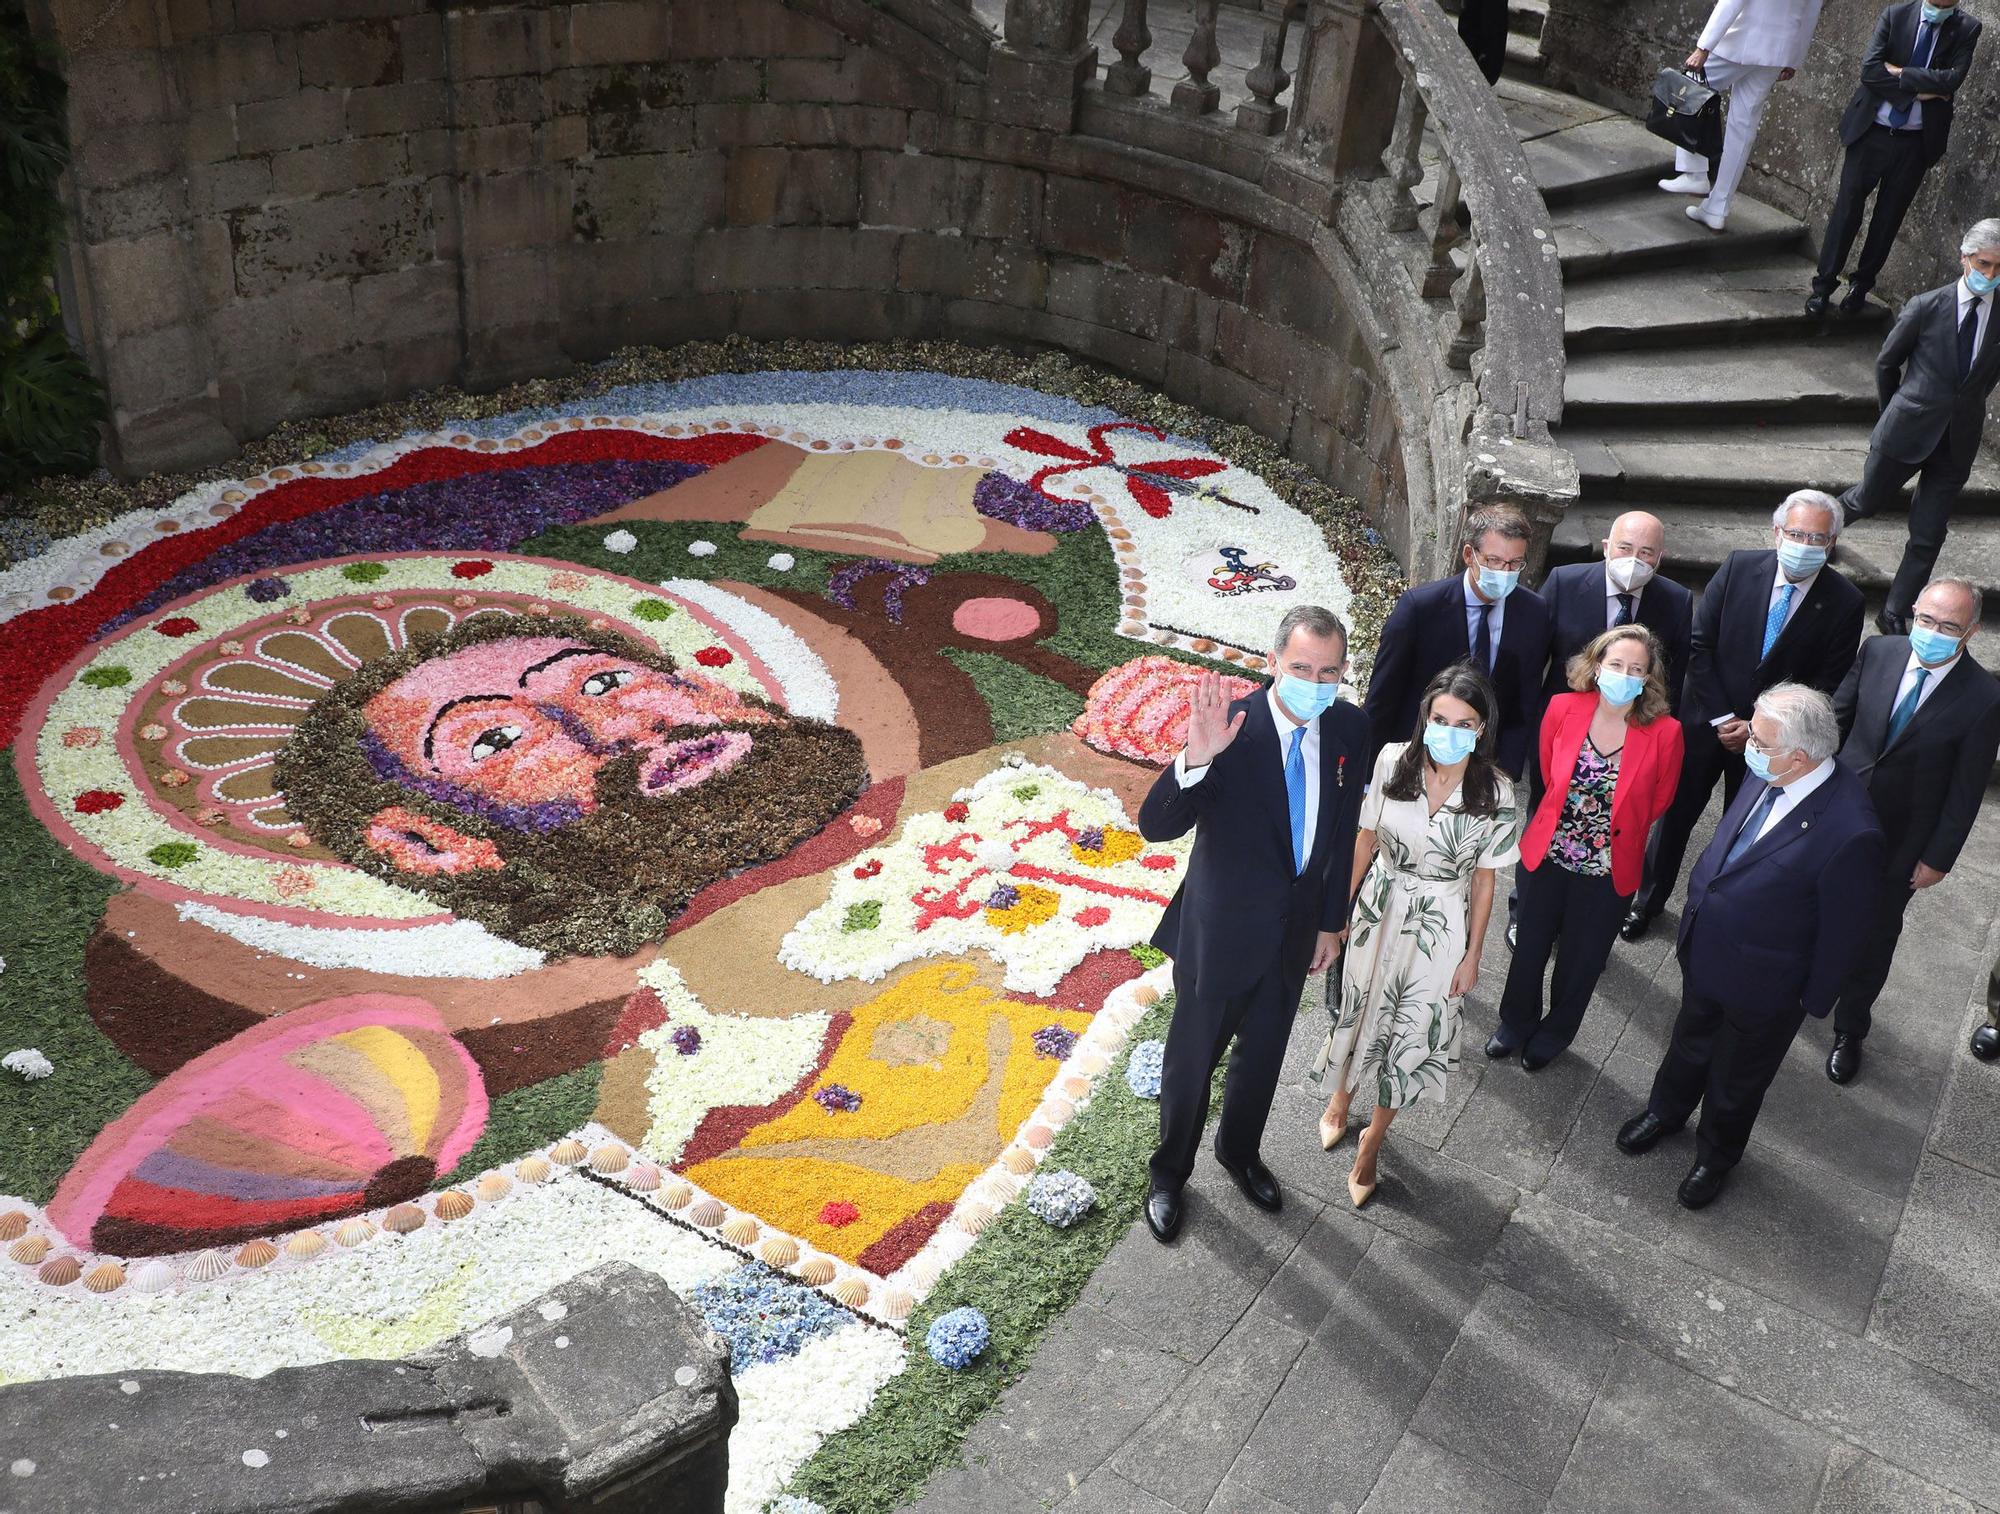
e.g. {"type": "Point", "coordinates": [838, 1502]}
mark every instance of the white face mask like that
{"type": "Point", "coordinates": [1631, 574]}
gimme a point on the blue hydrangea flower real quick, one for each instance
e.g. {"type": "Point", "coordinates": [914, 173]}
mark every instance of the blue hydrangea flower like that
{"type": "Point", "coordinates": [765, 1316]}
{"type": "Point", "coordinates": [954, 1339]}
{"type": "Point", "coordinates": [1142, 1069]}
{"type": "Point", "coordinates": [1060, 1198]}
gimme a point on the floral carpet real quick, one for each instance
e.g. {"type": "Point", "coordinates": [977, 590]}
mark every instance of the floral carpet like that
{"type": "Point", "coordinates": [685, 820]}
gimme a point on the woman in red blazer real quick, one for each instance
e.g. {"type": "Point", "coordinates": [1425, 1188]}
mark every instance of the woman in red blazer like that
{"type": "Point", "coordinates": [1611, 758]}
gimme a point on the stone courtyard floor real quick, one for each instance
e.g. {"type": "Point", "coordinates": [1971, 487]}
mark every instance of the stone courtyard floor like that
{"type": "Point", "coordinates": [1524, 1319]}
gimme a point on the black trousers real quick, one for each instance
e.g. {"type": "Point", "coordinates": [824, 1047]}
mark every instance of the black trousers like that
{"type": "Point", "coordinates": [1575, 919]}
{"type": "Point", "coordinates": [1261, 1020]}
{"type": "Point", "coordinates": [1703, 760]}
{"type": "Point", "coordinates": [1482, 26]}
{"type": "Point", "coordinates": [1889, 165]}
{"type": "Point", "coordinates": [1722, 1057]}
{"type": "Point", "coordinates": [1853, 1012]}
{"type": "Point", "coordinates": [1941, 478]}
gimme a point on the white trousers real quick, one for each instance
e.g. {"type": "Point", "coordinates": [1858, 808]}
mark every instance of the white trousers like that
{"type": "Point", "coordinates": [1748, 86]}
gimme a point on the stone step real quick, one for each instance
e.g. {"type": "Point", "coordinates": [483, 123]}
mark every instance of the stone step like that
{"type": "Point", "coordinates": [1529, 18]}
{"type": "Point", "coordinates": [1811, 379]}
{"type": "Point", "coordinates": [1699, 539]}
{"type": "Point", "coordinates": [1710, 305]}
{"type": "Point", "coordinates": [1648, 228]}
{"type": "Point", "coordinates": [1524, 57]}
{"type": "Point", "coordinates": [1747, 466]}
{"type": "Point", "coordinates": [1598, 159]}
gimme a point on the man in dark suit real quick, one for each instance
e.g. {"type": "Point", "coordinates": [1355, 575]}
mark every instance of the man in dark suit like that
{"type": "Point", "coordinates": [1775, 616]}
{"type": "Point", "coordinates": [1586, 599]}
{"type": "Point", "coordinates": [1271, 787]}
{"type": "Point", "coordinates": [1895, 127]}
{"type": "Point", "coordinates": [1478, 615]}
{"type": "Point", "coordinates": [1920, 725]}
{"type": "Point", "coordinates": [1482, 27]}
{"type": "Point", "coordinates": [1933, 376]}
{"type": "Point", "coordinates": [1776, 911]}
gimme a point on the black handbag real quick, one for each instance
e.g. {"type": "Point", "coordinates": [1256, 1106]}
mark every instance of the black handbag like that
{"type": "Point", "coordinates": [1686, 112]}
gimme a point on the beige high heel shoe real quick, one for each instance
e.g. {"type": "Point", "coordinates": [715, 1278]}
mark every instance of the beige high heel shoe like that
{"type": "Point", "coordinates": [1360, 1193]}
{"type": "Point", "coordinates": [1332, 1132]}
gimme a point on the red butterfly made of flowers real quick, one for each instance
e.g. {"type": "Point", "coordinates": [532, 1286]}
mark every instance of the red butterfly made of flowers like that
{"type": "Point", "coordinates": [1152, 484]}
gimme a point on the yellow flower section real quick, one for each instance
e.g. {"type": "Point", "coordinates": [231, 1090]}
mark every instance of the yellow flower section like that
{"type": "Point", "coordinates": [1120, 845]}
{"type": "Point", "coordinates": [1035, 906]}
{"type": "Point", "coordinates": [924, 1131]}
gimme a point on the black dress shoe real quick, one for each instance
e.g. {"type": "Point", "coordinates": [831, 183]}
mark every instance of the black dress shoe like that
{"type": "Point", "coordinates": [1642, 1133]}
{"type": "Point", "coordinates": [1889, 623]}
{"type": "Point", "coordinates": [1856, 302]}
{"type": "Point", "coordinates": [1699, 1188]}
{"type": "Point", "coordinates": [1163, 1214]}
{"type": "Point", "coordinates": [1635, 925]}
{"type": "Point", "coordinates": [1817, 305]}
{"type": "Point", "coordinates": [1986, 1043]}
{"type": "Point", "coordinates": [1255, 1179]}
{"type": "Point", "coordinates": [1844, 1061]}
{"type": "Point", "coordinates": [1501, 1045]}
{"type": "Point", "coordinates": [1535, 1061]}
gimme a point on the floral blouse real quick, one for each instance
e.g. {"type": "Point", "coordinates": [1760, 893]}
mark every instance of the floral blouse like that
{"type": "Point", "coordinates": [1582, 842]}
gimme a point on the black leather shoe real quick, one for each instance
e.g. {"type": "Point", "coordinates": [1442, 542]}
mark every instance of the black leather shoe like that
{"type": "Point", "coordinates": [1856, 302]}
{"type": "Point", "coordinates": [1844, 1061]}
{"type": "Point", "coordinates": [1258, 1186]}
{"type": "Point", "coordinates": [1642, 1133]}
{"type": "Point", "coordinates": [1817, 305]}
{"type": "Point", "coordinates": [1163, 1215]}
{"type": "Point", "coordinates": [1501, 1045]}
{"type": "Point", "coordinates": [1699, 1188]}
{"type": "Point", "coordinates": [1889, 623]}
{"type": "Point", "coordinates": [1986, 1043]}
{"type": "Point", "coordinates": [1635, 925]}
{"type": "Point", "coordinates": [1535, 1061]}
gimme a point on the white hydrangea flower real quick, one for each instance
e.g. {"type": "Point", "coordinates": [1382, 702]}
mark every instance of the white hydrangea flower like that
{"type": "Point", "coordinates": [701, 549]}
{"type": "Point", "coordinates": [782, 562]}
{"type": "Point", "coordinates": [28, 1062]}
{"type": "Point", "coordinates": [620, 541]}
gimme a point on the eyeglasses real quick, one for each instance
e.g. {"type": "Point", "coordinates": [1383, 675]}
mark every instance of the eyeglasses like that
{"type": "Point", "coordinates": [1499, 565]}
{"type": "Point", "coordinates": [1806, 538]}
{"type": "Point", "coordinates": [1945, 627]}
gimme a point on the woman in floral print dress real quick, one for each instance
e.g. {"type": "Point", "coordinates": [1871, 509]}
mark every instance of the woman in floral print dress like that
{"type": "Point", "coordinates": [1438, 821]}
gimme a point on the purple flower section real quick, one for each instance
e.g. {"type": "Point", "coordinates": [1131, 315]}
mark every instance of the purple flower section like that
{"type": "Point", "coordinates": [476, 512]}
{"type": "Point", "coordinates": [837, 1098]}
{"type": "Point", "coordinates": [267, 590]}
{"type": "Point", "coordinates": [686, 1039]}
{"type": "Point", "coordinates": [541, 816]}
{"type": "Point", "coordinates": [1004, 896]}
{"type": "Point", "coordinates": [1004, 498]}
{"type": "Point", "coordinates": [1090, 839]}
{"type": "Point", "coordinates": [842, 582]}
{"type": "Point", "coordinates": [1054, 1042]}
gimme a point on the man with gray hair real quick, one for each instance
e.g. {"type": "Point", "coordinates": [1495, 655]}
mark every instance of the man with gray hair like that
{"type": "Point", "coordinates": [1770, 616]}
{"type": "Point", "coordinates": [1776, 914]}
{"type": "Point", "coordinates": [1932, 378]}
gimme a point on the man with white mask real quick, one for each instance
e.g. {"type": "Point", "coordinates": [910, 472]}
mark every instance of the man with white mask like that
{"type": "Point", "coordinates": [1746, 50]}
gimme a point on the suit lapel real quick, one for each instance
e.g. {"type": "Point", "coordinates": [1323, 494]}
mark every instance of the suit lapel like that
{"type": "Point", "coordinates": [1878, 698]}
{"type": "Point", "coordinates": [1332, 786]}
{"type": "Point", "coordinates": [1755, 593]}
{"type": "Point", "coordinates": [1789, 827]}
{"type": "Point", "coordinates": [1800, 618]}
{"type": "Point", "coordinates": [1951, 688]}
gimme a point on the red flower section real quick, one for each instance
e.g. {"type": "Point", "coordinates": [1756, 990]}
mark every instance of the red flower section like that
{"type": "Point", "coordinates": [1157, 861]}
{"type": "Point", "coordinates": [715, 657]}
{"type": "Point", "coordinates": [177, 625]}
{"type": "Point", "coordinates": [97, 801]}
{"type": "Point", "coordinates": [957, 812]}
{"type": "Point", "coordinates": [839, 1213]}
{"type": "Point", "coordinates": [1097, 914]}
{"type": "Point", "coordinates": [869, 868]}
{"type": "Point", "coordinates": [1155, 500]}
{"type": "Point", "coordinates": [473, 567]}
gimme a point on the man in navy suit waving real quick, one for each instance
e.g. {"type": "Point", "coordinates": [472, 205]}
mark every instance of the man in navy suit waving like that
{"type": "Point", "coordinates": [1777, 915]}
{"type": "Point", "coordinates": [1271, 788]}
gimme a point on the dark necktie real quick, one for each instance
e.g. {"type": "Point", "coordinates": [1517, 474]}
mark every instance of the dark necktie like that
{"type": "Point", "coordinates": [1747, 837]}
{"type": "Point", "coordinates": [1920, 57]}
{"type": "Point", "coordinates": [1906, 711]}
{"type": "Point", "coordinates": [1482, 646]}
{"type": "Point", "coordinates": [1627, 608]}
{"type": "Point", "coordinates": [1968, 336]}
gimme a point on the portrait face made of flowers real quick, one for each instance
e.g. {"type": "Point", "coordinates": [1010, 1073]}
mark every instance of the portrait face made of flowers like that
{"type": "Point", "coordinates": [557, 784]}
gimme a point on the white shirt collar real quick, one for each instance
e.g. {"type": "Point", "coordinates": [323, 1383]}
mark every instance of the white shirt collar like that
{"type": "Point", "coordinates": [1803, 585]}
{"type": "Point", "coordinates": [1795, 791]}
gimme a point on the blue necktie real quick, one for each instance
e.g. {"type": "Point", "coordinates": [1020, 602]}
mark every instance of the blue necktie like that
{"type": "Point", "coordinates": [1295, 796]}
{"type": "Point", "coordinates": [1482, 646]}
{"type": "Point", "coordinates": [1775, 621]}
{"type": "Point", "coordinates": [1920, 57]}
{"type": "Point", "coordinates": [1747, 837]}
{"type": "Point", "coordinates": [1906, 711]}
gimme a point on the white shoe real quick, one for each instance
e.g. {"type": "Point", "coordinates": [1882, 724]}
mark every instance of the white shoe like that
{"type": "Point", "coordinates": [1686, 184]}
{"type": "Point", "coordinates": [1707, 218]}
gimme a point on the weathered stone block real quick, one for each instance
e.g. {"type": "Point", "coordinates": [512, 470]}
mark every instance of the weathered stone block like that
{"type": "Point", "coordinates": [209, 136]}
{"type": "Point", "coordinates": [619, 31]}
{"type": "Point", "coordinates": [306, 320]}
{"type": "Point", "coordinates": [138, 284]}
{"type": "Point", "coordinates": [212, 261]}
{"type": "Point", "coordinates": [234, 184]}
{"type": "Point", "coordinates": [598, 276]}
{"type": "Point", "coordinates": [620, 87]}
{"type": "Point", "coordinates": [1188, 245]}
{"type": "Point", "coordinates": [334, 166]}
{"type": "Point", "coordinates": [134, 209]}
{"type": "Point", "coordinates": [423, 362]}
{"type": "Point", "coordinates": [278, 15]}
{"type": "Point", "coordinates": [1228, 395]}
{"type": "Point", "coordinates": [496, 42]}
{"type": "Point", "coordinates": [190, 434]}
{"type": "Point", "coordinates": [236, 68]}
{"type": "Point", "coordinates": [1285, 284]}
{"type": "Point", "coordinates": [255, 400]}
{"type": "Point", "coordinates": [662, 322]}
{"type": "Point", "coordinates": [511, 212]}
{"type": "Point", "coordinates": [117, 89]}
{"type": "Point", "coordinates": [351, 54]}
{"type": "Point", "coordinates": [797, 257]}
{"type": "Point", "coordinates": [911, 190]}
{"type": "Point", "coordinates": [777, 186]}
{"type": "Point", "coordinates": [962, 268]}
{"type": "Point", "coordinates": [298, 120]}
{"type": "Point", "coordinates": [152, 369]}
{"type": "Point", "coordinates": [118, 155]}
{"type": "Point", "coordinates": [409, 303]}
{"type": "Point", "coordinates": [841, 315]}
{"type": "Point", "coordinates": [1103, 296]}
{"type": "Point", "coordinates": [1006, 202]}
{"type": "Point", "coordinates": [1127, 352]}
{"type": "Point", "coordinates": [755, 125]}
{"type": "Point", "coordinates": [70, 20]}
{"type": "Point", "coordinates": [640, 130]}
{"type": "Point", "coordinates": [1274, 356]}
{"type": "Point", "coordinates": [370, 231]}
{"type": "Point", "coordinates": [498, 149]}
{"type": "Point", "coordinates": [623, 198]}
{"type": "Point", "coordinates": [420, 47]}
{"type": "Point", "coordinates": [752, 29]}
{"type": "Point", "coordinates": [495, 102]}
{"type": "Point", "coordinates": [395, 107]}
{"type": "Point", "coordinates": [863, 77]}
{"type": "Point", "coordinates": [1084, 217]}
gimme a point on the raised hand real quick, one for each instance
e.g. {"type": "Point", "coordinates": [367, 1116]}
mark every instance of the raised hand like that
{"type": "Point", "coordinates": [1210, 726]}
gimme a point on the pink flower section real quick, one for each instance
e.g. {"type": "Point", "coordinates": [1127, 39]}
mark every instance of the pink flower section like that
{"type": "Point", "coordinates": [1140, 708]}
{"type": "Point", "coordinates": [418, 844]}
{"type": "Point", "coordinates": [996, 619]}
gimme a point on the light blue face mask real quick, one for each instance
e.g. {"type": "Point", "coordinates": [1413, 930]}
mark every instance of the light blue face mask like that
{"type": "Point", "coordinates": [1981, 283]}
{"type": "Point", "coordinates": [1619, 688]}
{"type": "Point", "coordinates": [1800, 561]}
{"type": "Point", "coordinates": [1495, 584]}
{"type": "Point", "coordinates": [1306, 700]}
{"type": "Point", "coordinates": [1935, 14]}
{"type": "Point", "coordinates": [1758, 763]}
{"type": "Point", "coordinates": [1933, 647]}
{"type": "Point", "coordinates": [1449, 743]}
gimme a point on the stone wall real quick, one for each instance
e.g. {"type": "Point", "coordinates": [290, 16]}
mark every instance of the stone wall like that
{"type": "Point", "coordinates": [1610, 50]}
{"type": "Point", "coordinates": [278, 218]}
